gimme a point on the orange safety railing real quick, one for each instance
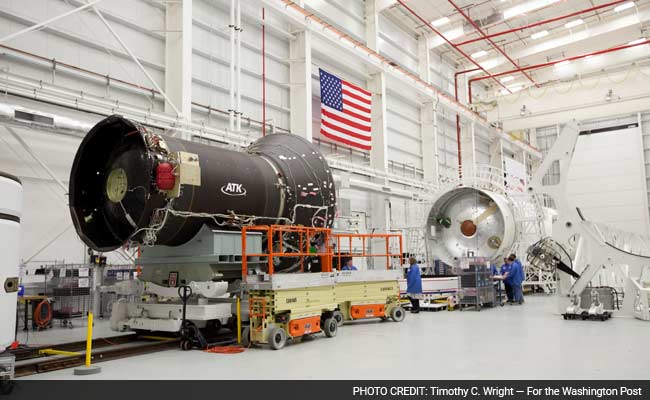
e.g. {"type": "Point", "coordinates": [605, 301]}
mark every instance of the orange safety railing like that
{"type": "Point", "coordinates": [342, 238]}
{"type": "Point", "coordinates": [274, 236]}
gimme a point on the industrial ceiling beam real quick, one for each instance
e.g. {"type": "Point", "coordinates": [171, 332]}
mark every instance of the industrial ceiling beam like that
{"type": "Point", "coordinates": [458, 49]}
{"type": "Point", "coordinates": [550, 63]}
{"type": "Point", "coordinates": [494, 45]}
{"type": "Point", "coordinates": [540, 23]}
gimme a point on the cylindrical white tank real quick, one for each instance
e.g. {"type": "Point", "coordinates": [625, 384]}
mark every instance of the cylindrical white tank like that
{"type": "Point", "coordinates": [11, 199]}
{"type": "Point", "coordinates": [465, 221]}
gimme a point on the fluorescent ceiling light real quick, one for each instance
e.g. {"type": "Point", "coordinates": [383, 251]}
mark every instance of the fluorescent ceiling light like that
{"type": "Point", "coordinates": [515, 88]}
{"type": "Point", "coordinates": [454, 33]}
{"type": "Point", "coordinates": [440, 22]}
{"type": "Point", "coordinates": [479, 54]}
{"type": "Point", "coordinates": [526, 7]}
{"type": "Point", "coordinates": [563, 63]}
{"type": "Point", "coordinates": [507, 79]}
{"type": "Point", "coordinates": [538, 35]}
{"type": "Point", "coordinates": [637, 41]}
{"type": "Point", "coordinates": [624, 6]}
{"type": "Point", "coordinates": [574, 23]}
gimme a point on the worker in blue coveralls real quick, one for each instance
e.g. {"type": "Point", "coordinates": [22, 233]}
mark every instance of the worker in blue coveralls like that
{"type": "Point", "coordinates": [348, 266]}
{"type": "Point", "coordinates": [414, 285]}
{"type": "Point", "coordinates": [506, 272]}
{"type": "Point", "coordinates": [518, 279]}
{"type": "Point", "coordinates": [494, 272]}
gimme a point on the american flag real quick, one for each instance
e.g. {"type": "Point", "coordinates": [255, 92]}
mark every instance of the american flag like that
{"type": "Point", "coordinates": [345, 111]}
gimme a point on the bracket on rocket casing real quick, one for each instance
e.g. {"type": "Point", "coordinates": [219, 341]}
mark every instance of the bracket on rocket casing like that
{"type": "Point", "coordinates": [187, 171]}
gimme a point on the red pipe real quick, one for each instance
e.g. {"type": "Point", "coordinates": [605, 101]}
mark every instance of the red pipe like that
{"type": "Point", "coordinates": [460, 160]}
{"type": "Point", "coordinates": [494, 45]}
{"type": "Point", "coordinates": [539, 23]}
{"type": "Point", "coordinates": [548, 64]}
{"type": "Point", "coordinates": [263, 73]}
{"type": "Point", "coordinates": [425, 22]}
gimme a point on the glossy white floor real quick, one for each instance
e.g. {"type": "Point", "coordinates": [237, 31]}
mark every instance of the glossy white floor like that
{"type": "Point", "coordinates": [513, 342]}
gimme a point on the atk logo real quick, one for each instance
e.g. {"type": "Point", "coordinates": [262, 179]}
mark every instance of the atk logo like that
{"type": "Point", "coordinates": [233, 189]}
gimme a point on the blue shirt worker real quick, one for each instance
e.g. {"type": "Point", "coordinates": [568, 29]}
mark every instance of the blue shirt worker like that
{"type": "Point", "coordinates": [518, 277]}
{"type": "Point", "coordinates": [506, 272]}
{"type": "Point", "coordinates": [414, 285]}
{"type": "Point", "coordinates": [348, 266]}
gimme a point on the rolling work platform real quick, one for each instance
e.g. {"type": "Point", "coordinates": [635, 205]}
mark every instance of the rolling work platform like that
{"type": "Point", "coordinates": [284, 306]}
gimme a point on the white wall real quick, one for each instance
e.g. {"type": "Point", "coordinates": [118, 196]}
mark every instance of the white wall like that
{"type": "Point", "coordinates": [607, 179]}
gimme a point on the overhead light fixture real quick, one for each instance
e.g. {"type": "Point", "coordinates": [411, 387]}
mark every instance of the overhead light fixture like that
{"type": "Point", "coordinates": [574, 23]}
{"type": "Point", "coordinates": [563, 63]}
{"type": "Point", "coordinates": [539, 35]}
{"type": "Point", "coordinates": [515, 88]}
{"type": "Point", "coordinates": [608, 96]}
{"type": "Point", "coordinates": [454, 33]}
{"type": "Point", "coordinates": [637, 41]}
{"type": "Point", "coordinates": [526, 7]}
{"type": "Point", "coordinates": [508, 79]}
{"type": "Point", "coordinates": [624, 6]}
{"type": "Point", "coordinates": [440, 22]}
{"type": "Point", "coordinates": [523, 111]}
{"type": "Point", "coordinates": [479, 54]}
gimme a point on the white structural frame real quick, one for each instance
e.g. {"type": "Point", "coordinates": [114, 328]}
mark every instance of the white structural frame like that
{"type": "Point", "coordinates": [48, 21]}
{"type": "Point", "coordinates": [597, 246]}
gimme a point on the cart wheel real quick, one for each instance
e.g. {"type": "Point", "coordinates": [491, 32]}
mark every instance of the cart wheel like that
{"type": "Point", "coordinates": [383, 319]}
{"type": "Point", "coordinates": [186, 345]}
{"type": "Point", "coordinates": [330, 327]}
{"type": "Point", "coordinates": [338, 316]}
{"type": "Point", "coordinates": [246, 336]}
{"type": "Point", "coordinates": [564, 316]}
{"type": "Point", "coordinates": [397, 314]}
{"type": "Point", "coordinates": [277, 338]}
{"type": "Point", "coordinates": [70, 325]}
{"type": "Point", "coordinates": [214, 326]}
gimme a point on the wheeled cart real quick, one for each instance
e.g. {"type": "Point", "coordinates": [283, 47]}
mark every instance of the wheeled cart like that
{"type": "Point", "coordinates": [476, 285]}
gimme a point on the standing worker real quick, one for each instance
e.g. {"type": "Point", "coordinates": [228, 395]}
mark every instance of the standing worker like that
{"type": "Point", "coordinates": [506, 272]}
{"type": "Point", "coordinates": [414, 285]}
{"type": "Point", "coordinates": [518, 279]}
{"type": "Point", "coordinates": [348, 266]}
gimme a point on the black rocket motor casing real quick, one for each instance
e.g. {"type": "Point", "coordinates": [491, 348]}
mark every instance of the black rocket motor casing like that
{"type": "Point", "coordinates": [114, 194]}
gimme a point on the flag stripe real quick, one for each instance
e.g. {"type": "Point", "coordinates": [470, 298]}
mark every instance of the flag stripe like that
{"type": "Point", "coordinates": [345, 141]}
{"type": "Point", "coordinates": [348, 94]}
{"type": "Point", "coordinates": [357, 88]}
{"type": "Point", "coordinates": [346, 121]}
{"type": "Point", "coordinates": [350, 115]}
{"type": "Point", "coordinates": [359, 117]}
{"type": "Point", "coordinates": [344, 136]}
{"type": "Point", "coordinates": [354, 105]}
{"type": "Point", "coordinates": [340, 129]}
